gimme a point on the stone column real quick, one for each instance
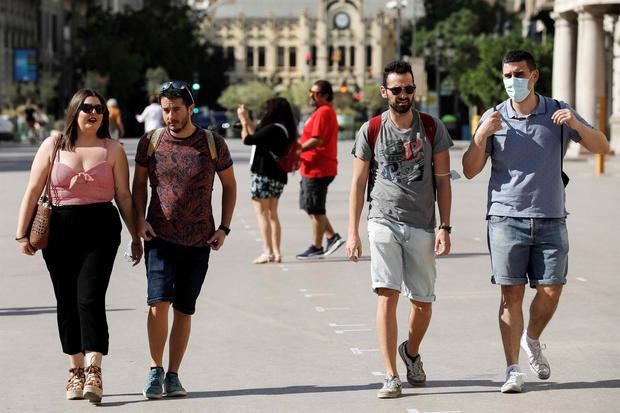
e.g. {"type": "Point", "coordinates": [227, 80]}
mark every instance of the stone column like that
{"type": "Point", "coordinates": [321, 42]}
{"type": "Point", "coordinates": [614, 121]}
{"type": "Point", "coordinates": [590, 79]}
{"type": "Point", "coordinates": [565, 43]}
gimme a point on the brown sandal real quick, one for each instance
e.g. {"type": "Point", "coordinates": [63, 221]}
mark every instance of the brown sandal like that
{"type": "Point", "coordinates": [93, 385]}
{"type": "Point", "coordinates": [75, 384]}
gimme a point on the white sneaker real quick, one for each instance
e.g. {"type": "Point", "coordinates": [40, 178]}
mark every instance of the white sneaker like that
{"type": "Point", "coordinates": [538, 362]}
{"type": "Point", "coordinates": [391, 388]}
{"type": "Point", "coordinates": [514, 382]}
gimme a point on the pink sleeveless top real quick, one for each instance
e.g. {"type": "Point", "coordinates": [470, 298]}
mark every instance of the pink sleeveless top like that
{"type": "Point", "coordinates": [71, 187]}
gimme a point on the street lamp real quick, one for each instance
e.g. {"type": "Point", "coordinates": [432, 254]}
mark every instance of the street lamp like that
{"type": "Point", "coordinates": [398, 5]}
{"type": "Point", "coordinates": [442, 52]}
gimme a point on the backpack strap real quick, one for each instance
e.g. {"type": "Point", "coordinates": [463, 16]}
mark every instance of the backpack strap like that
{"type": "Point", "coordinates": [373, 132]}
{"type": "Point", "coordinates": [211, 142]}
{"type": "Point", "coordinates": [430, 127]}
{"type": "Point", "coordinates": [154, 142]}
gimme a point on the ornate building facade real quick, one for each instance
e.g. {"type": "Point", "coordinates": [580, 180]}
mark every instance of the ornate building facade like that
{"type": "Point", "coordinates": [339, 43]}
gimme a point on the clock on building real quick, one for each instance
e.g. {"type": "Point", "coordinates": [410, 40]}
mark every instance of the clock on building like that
{"type": "Point", "coordinates": [341, 20]}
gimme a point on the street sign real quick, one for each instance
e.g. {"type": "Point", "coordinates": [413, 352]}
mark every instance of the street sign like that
{"type": "Point", "coordinates": [25, 61]}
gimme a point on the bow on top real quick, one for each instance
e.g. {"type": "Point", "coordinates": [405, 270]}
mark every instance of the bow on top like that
{"type": "Point", "coordinates": [82, 177]}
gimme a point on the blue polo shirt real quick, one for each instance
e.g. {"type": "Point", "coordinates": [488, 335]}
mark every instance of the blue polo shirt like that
{"type": "Point", "coordinates": [526, 180]}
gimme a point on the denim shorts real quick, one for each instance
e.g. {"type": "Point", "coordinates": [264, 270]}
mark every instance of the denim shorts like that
{"type": "Point", "coordinates": [313, 194]}
{"type": "Point", "coordinates": [263, 187]}
{"type": "Point", "coordinates": [522, 249]}
{"type": "Point", "coordinates": [175, 273]}
{"type": "Point", "coordinates": [401, 255]}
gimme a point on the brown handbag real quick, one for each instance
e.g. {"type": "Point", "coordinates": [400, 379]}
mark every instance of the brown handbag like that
{"type": "Point", "coordinates": [39, 230]}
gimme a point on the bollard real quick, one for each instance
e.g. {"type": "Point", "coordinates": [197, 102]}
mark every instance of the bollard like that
{"type": "Point", "coordinates": [602, 112]}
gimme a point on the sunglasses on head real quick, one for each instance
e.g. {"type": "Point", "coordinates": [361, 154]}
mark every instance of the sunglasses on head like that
{"type": "Point", "coordinates": [176, 85]}
{"type": "Point", "coordinates": [88, 108]}
{"type": "Point", "coordinates": [397, 90]}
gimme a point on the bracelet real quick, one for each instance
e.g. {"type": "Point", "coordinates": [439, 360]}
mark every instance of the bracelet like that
{"type": "Point", "coordinates": [225, 229]}
{"type": "Point", "coordinates": [21, 238]}
{"type": "Point", "coordinates": [446, 227]}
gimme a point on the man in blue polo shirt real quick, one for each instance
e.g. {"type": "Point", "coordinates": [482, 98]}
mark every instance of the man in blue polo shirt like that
{"type": "Point", "coordinates": [526, 137]}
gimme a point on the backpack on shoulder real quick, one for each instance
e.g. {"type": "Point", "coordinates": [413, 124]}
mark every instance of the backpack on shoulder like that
{"type": "Point", "coordinates": [289, 161]}
{"type": "Point", "coordinates": [156, 136]}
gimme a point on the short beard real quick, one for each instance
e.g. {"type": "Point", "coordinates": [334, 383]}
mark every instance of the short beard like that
{"type": "Point", "coordinates": [182, 125]}
{"type": "Point", "coordinates": [401, 109]}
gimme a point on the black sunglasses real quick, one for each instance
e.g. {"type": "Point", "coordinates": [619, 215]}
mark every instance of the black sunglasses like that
{"type": "Point", "coordinates": [88, 108]}
{"type": "Point", "coordinates": [176, 85]}
{"type": "Point", "coordinates": [397, 90]}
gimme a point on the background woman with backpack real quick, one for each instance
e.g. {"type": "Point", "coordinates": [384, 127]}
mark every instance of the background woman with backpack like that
{"type": "Point", "coordinates": [271, 139]}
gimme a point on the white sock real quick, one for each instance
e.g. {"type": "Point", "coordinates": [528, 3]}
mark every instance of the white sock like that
{"type": "Point", "coordinates": [530, 341]}
{"type": "Point", "coordinates": [513, 367]}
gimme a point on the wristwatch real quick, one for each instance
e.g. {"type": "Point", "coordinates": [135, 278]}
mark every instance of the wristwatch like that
{"type": "Point", "coordinates": [446, 227]}
{"type": "Point", "coordinates": [225, 229]}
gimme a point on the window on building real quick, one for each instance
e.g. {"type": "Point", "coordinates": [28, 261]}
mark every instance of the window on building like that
{"type": "Point", "coordinates": [280, 56]}
{"type": "Point", "coordinates": [368, 56]}
{"type": "Point", "coordinates": [292, 57]}
{"type": "Point", "coordinates": [313, 55]}
{"type": "Point", "coordinates": [249, 56]}
{"type": "Point", "coordinates": [331, 55]}
{"type": "Point", "coordinates": [261, 56]}
{"type": "Point", "coordinates": [54, 33]}
{"type": "Point", "coordinates": [352, 56]}
{"type": "Point", "coordinates": [342, 53]}
{"type": "Point", "coordinates": [230, 53]}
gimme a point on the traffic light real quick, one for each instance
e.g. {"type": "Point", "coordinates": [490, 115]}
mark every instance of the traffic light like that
{"type": "Point", "coordinates": [195, 86]}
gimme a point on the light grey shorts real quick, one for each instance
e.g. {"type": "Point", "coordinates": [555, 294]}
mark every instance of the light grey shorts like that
{"type": "Point", "coordinates": [401, 255]}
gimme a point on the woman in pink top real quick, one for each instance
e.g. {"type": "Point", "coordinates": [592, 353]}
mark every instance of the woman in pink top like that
{"type": "Point", "coordinates": [89, 170]}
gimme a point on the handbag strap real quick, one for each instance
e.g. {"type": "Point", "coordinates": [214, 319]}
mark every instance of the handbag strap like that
{"type": "Point", "coordinates": [47, 190]}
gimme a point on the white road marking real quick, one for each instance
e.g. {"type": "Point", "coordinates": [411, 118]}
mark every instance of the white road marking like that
{"type": "Point", "coordinates": [359, 351]}
{"type": "Point", "coordinates": [345, 325]}
{"type": "Point", "coordinates": [258, 239]}
{"type": "Point", "coordinates": [477, 239]}
{"type": "Point", "coordinates": [317, 295]}
{"type": "Point", "coordinates": [323, 309]}
{"type": "Point", "coordinates": [302, 290]}
{"type": "Point", "coordinates": [417, 411]}
{"type": "Point", "coordinates": [378, 373]}
{"type": "Point", "coordinates": [583, 280]}
{"type": "Point", "coordinates": [351, 330]}
{"type": "Point", "coordinates": [246, 226]}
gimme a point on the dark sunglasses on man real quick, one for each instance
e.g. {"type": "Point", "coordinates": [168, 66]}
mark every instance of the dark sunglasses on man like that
{"type": "Point", "coordinates": [176, 85]}
{"type": "Point", "coordinates": [397, 90]}
{"type": "Point", "coordinates": [88, 108]}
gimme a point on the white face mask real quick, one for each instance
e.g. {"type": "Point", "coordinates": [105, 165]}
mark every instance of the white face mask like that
{"type": "Point", "coordinates": [517, 88]}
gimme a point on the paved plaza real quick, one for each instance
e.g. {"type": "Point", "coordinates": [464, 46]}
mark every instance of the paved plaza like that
{"type": "Point", "coordinates": [300, 336]}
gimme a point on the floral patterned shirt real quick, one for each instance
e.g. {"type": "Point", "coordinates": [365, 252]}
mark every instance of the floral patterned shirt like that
{"type": "Point", "coordinates": [181, 175]}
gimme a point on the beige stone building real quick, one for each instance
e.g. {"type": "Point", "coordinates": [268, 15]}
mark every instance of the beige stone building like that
{"type": "Point", "coordinates": [338, 41]}
{"type": "Point", "coordinates": [586, 58]}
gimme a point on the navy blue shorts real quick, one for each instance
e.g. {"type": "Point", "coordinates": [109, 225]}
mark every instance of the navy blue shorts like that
{"type": "Point", "coordinates": [175, 273]}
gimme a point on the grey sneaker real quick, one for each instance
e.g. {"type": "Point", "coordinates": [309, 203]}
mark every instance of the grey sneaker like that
{"type": "Point", "coordinates": [415, 372]}
{"type": "Point", "coordinates": [172, 386]}
{"type": "Point", "coordinates": [514, 382]}
{"type": "Point", "coordinates": [153, 389]}
{"type": "Point", "coordinates": [538, 363]}
{"type": "Point", "coordinates": [333, 244]}
{"type": "Point", "coordinates": [391, 388]}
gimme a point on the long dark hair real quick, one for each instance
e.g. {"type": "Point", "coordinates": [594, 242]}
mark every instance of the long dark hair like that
{"type": "Point", "coordinates": [278, 110]}
{"type": "Point", "coordinates": [69, 135]}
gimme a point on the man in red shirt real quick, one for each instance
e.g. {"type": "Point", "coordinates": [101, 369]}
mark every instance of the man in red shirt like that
{"type": "Point", "coordinates": [319, 167]}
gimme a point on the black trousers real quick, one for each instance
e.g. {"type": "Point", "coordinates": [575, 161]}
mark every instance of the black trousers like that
{"type": "Point", "coordinates": [80, 255]}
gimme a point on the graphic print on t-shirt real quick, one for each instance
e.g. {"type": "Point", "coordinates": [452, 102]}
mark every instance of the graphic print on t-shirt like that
{"type": "Point", "coordinates": [402, 162]}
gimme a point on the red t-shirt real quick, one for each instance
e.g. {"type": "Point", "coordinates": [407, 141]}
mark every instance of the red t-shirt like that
{"type": "Point", "coordinates": [181, 175]}
{"type": "Point", "coordinates": [321, 161]}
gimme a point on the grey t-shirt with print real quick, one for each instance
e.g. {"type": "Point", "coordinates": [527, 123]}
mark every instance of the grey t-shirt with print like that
{"type": "Point", "coordinates": [402, 168]}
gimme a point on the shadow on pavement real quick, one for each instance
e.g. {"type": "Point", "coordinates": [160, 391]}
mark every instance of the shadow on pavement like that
{"type": "Point", "coordinates": [42, 310]}
{"type": "Point", "coordinates": [529, 386]}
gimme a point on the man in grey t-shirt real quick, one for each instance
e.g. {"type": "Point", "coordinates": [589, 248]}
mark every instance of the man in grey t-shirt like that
{"type": "Point", "coordinates": [406, 154]}
{"type": "Point", "coordinates": [526, 137]}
